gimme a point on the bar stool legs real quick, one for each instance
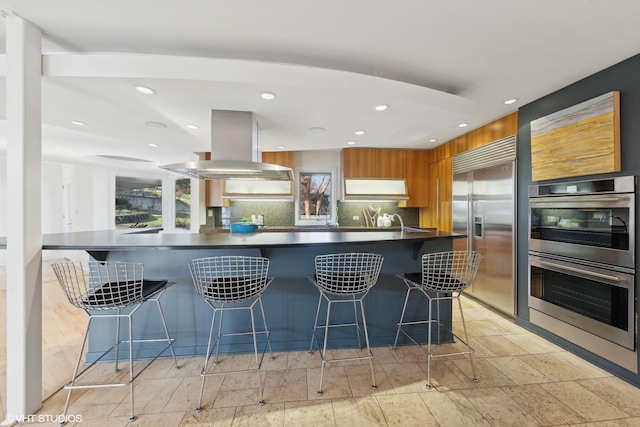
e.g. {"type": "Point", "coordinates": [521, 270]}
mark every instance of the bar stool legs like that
{"type": "Point", "coordinates": [103, 290]}
{"type": "Point", "coordinates": [344, 278]}
{"type": "Point", "coordinates": [232, 283]}
{"type": "Point", "coordinates": [443, 277]}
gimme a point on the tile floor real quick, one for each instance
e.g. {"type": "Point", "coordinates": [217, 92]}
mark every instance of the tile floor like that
{"type": "Point", "coordinates": [523, 381]}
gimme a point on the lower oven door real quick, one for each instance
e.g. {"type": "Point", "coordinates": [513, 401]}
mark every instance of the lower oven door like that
{"type": "Point", "coordinates": [594, 298]}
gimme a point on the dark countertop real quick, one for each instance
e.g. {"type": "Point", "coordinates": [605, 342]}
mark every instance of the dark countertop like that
{"type": "Point", "coordinates": [309, 228]}
{"type": "Point", "coordinates": [113, 240]}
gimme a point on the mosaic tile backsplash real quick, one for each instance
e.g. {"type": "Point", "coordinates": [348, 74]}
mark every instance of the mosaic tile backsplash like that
{"type": "Point", "coordinates": [282, 213]}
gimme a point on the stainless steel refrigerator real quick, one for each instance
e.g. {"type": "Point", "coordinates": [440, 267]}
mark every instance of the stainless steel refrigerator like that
{"type": "Point", "coordinates": [483, 208]}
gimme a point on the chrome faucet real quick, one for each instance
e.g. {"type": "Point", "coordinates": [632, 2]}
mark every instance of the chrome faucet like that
{"type": "Point", "coordinates": [400, 218]}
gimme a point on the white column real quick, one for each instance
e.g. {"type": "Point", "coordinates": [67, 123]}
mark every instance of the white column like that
{"type": "Point", "coordinates": [24, 219]}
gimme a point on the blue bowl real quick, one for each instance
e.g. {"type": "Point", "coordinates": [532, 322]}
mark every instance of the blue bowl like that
{"type": "Point", "coordinates": [244, 227]}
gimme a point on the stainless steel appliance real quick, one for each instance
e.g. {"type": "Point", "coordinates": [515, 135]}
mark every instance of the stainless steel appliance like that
{"type": "Point", "coordinates": [582, 264]}
{"type": "Point", "coordinates": [483, 208]}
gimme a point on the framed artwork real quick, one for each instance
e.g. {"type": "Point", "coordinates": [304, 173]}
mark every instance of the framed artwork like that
{"type": "Point", "coordinates": [315, 197]}
{"type": "Point", "coordinates": [580, 140]}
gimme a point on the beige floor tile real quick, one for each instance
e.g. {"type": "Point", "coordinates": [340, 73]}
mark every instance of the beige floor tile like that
{"type": "Point", "coordinates": [480, 328]}
{"type": "Point", "coordinates": [230, 363]}
{"type": "Point", "coordinates": [361, 383]}
{"type": "Point", "coordinates": [499, 345]}
{"type": "Point", "coordinates": [270, 414]}
{"type": "Point", "coordinates": [486, 374]}
{"type": "Point", "coordinates": [618, 393]}
{"type": "Point", "coordinates": [511, 325]}
{"type": "Point", "coordinates": [409, 353]}
{"type": "Point", "coordinates": [406, 410]}
{"type": "Point", "coordinates": [279, 362]}
{"type": "Point", "coordinates": [629, 422]}
{"type": "Point", "coordinates": [150, 396]}
{"type": "Point", "coordinates": [334, 355]}
{"type": "Point", "coordinates": [361, 411]}
{"type": "Point", "coordinates": [453, 409]}
{"type": "Point", "coordinates": [189, 367]}
{"type": "Point", "coordinates": [587, 369]}
{"type": "Point", "coordinates": [285, 386]}
{"type": "Point", "coordinates": [233, 398]}
{"type": "Point", "coordinates": [187, 394]}
{"type": "Point", "coordinates": [498, 408]}
{"type": "Point", "coordinates": [446, 375]}
{"type": "Point", "coordinates": [406, 377]}
{"type": "Point", "coordinates": [552, 367]}
{"type": "Point", "coordinates": [540, 404]}
{"type": "Point", "coordinates": [209, 417]}
{"type": "Point", "coordinates": [158, 420]}
{"type": "Point", "coordinates": [533, 344]}
{"type": "Point", "coordinates": [584, 402]}
{"type": "Point", "coordinates": [309, 414]}
{"type": "Point", "coordinates": [335, 384]}
{"type": "Point", "coordinates": [382, 355]}
{"type": "Point", "coordinates": [517, 370]}
{"type": "Point", "coordinates": [303, 359]}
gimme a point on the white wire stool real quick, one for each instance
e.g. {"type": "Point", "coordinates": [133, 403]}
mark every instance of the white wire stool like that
{"type": "Point", "coordinates": [102, 289]}
{"type": "Point", "coordinates": [344, 278]}
{"type": "Point", "coordinates": [443, 277]}
{"type": "Point", "coordinates": [239, 281]}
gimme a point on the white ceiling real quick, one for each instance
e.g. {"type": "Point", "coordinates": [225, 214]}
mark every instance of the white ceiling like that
{"type": "Point", "coordinates": [436, 63]}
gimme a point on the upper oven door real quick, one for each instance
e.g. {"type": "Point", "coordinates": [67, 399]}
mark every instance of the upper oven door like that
{"type": "Point", "coordinates": [598, 228]}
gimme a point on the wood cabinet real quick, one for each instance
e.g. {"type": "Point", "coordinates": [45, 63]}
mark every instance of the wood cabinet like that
{"type": "Point", "coordinates": [418, 178]}
{"type": "Point", "coordinates": [281, 158]}
{"type": "Point", "coordinates": [359, 163]}
{"type": "Point", "coordinates": [374, 163]}
{"type": "Point", "coordinates": [440, 196]}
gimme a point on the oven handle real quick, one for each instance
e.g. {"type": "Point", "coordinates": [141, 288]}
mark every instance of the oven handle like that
{"type": "Point", "coordinates": [581, 271]}
{"type": "Point", "coordinates": [579, 199]}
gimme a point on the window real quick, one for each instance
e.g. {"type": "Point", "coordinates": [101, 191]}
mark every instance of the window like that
{"type": "Point", "coordinates": [138, 202]}
{"type": "Point", "coordinates": [315, 201]}
{"type": "Point", "coordinates": [183, 203]}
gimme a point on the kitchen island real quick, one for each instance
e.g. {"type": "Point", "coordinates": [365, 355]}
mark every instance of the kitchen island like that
{"type": "Point", "coordinates": [291, 299]}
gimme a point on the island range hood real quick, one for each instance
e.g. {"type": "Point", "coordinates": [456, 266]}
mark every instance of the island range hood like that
{"type": "Point", "coordinates": [233, 152]}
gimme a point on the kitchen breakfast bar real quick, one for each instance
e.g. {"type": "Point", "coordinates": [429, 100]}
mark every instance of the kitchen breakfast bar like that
{"type": "Point", "coordinates": [289, 302]}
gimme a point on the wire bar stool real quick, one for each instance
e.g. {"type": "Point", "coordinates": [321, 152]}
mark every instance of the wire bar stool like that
{"type": "Point", "coordinates": [232, 283]}
{"type": "Point", "coordinates": [103, 289]}
{"type": "Point", "coordinates": [443, 277]}
{"type": "Point", "coordinates": [344, 278]}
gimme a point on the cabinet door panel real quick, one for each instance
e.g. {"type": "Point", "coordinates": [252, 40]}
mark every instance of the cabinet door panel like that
{"type": "Point", "coordinates": [391, 163]}
{"type": "Point", "coordinates": [281, 158]}
{"type": "Point", "coordinates": [418, 178]}
{"type": "Point", "coordinates": [358, 162]}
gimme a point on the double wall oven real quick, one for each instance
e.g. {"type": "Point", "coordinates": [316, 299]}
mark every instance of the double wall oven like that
{"type": "Point", "coordinates": [582, 260]}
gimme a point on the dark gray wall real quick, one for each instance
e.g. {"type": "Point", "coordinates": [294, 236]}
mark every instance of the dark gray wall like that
{"type": "Point", "coordinates": [623, 77]}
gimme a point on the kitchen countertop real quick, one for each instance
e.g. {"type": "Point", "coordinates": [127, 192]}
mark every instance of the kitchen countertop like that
{"type": "Point", "coordinates": [111, 239]}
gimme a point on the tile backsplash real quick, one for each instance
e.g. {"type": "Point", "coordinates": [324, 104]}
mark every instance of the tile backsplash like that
{"type": "Point", "coordinates": [282, 213]}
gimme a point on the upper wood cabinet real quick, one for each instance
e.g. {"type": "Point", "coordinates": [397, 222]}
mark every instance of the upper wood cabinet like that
{"type": "Point", "coordinates": [359, 162]}
{"type": "Point", "coordinates": [418, 178]}
{"type": "Point", "coordinates": [281, 158]}
{"type": "Point", "coordinates": [374, 163]}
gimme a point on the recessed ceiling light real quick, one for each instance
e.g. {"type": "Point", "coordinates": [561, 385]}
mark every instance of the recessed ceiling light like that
{"type": "Point", "coordinates": [281, 147]}
{"type": "Point", "coordinates": [153, 145]}
{"type": "Point", "coordinates": [145, 90]}
{"type": "Point", "coordinates": [268, 95]}
{"type": "Point", "coordinates": [192, 126]}
{"type": "Point", "coordinates": [463, 125]}
{"type": "Point", "coordinates": [351, 143]}
{"type": "Point", "coordinates": [510, 101]}
{"type": "Point", "coordinates": [433, 140]}
{"type": "Point", "coordinates": [316, 130]}
{"type": "Point", "coordinates": [381, 107]}
{"type": "Point", "coordinates": [77, 123]}
{"type": "Point", "coordinates": [359, 132]}
{"type": "Point", "coordinates": [157, 125]}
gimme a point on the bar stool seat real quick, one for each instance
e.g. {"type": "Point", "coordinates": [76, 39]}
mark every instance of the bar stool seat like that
{"type": "Point", "coordinates": [103, 289]}
{"type": "Point", "coordinates": [232, 283]}
{"type": "Point", "coordinates": [344, 278]}
{"type": "Point", "coordinates": [443, 277]}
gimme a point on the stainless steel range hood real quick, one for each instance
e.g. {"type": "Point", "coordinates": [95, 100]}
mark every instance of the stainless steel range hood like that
{"type": "Point", "coordinates": [234, 152]}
